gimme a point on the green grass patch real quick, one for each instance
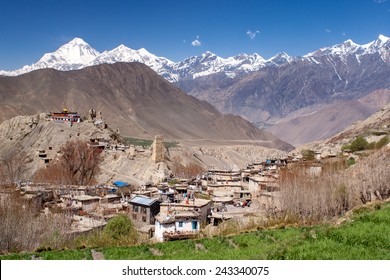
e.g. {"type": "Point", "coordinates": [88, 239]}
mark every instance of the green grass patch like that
{"type": "Point", "coordinates": [84, 254]}
{"type": "Point", "coordinates": [138, 142]}
{"type": "Point", "coordinates": [148, 143]}
{"type": "Point", "coordinates": [366, 236]}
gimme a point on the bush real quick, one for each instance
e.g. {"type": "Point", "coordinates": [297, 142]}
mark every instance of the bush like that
{"type": "Point", "coordinates": [119, 227]}
{"type": "Point", "coordinates": [384, 141]}
{"type": "Point", "coordinates": [308, 155]}
{"type": "Point", "coordinates": [359, 144]}
{"type": "Point", "coordinates": [351, 161]}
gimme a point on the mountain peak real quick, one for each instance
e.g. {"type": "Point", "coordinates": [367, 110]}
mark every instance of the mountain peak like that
{"type": "Point", "coordinates": [144, 52]}
{"type": "Point", "coordinates": [383, 38]}
{"type": "Point", "coordinates": [77, 41]}
{"type": "Point", "coordinates": [349, 42]}
{"type": "Point", "coordinates": [69, 56]}
{"type": "Point", "coordinates": [77, 54]}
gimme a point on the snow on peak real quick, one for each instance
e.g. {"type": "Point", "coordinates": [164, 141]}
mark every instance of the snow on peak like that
{"type": "Point", "coordinates": [345, 48]}
{"type": "Point", "coordinates": [279, 59]}
{"type": "Point", "coordinates": [383, 38]}
{"type": "Point", "coordinates": [77, 41]}
{"type": "Point", "coordinates": [380, 42]}
{"type": "Point", "coordinates": [351, 48]}
{"type": "Point", "coordinates": [123, 53]}
{"type": "Point", "coordinates": [77, 54]}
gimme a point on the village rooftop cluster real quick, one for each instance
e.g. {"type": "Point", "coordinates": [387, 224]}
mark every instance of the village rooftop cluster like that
{"type": "Point", "coordinates": [174, 209]}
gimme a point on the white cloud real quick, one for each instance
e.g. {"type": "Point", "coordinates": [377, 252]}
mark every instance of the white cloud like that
{"type": "Point", "coordinates": [196, 42]}
{"type": "Point", "coordinates": [328, 30]}
{"type": "Point", "coordinates": [251, 34]}
{"type": "Point", "coordinates": [344, 33]}
{"type": "Point", "coordinates": [380, 1]}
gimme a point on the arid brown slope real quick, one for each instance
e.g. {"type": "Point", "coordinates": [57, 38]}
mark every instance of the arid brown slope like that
{"type": "Point", "coordinates": [311, 124]}
{"type": "Point", "coordinates": [132, 97]}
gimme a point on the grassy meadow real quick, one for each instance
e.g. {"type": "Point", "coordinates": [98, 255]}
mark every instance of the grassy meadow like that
{"type": "Point", "coordinates": [364, 235]}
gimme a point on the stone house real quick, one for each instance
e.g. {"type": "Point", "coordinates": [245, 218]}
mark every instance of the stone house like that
{"type": "Point", "coordinates": [181, 225]}
{"type": "Point", "coordinates": [143, 210]}
{"type": "Point", "coordinates": [197, 205]}
{"type": "Point", "coordinates": [85, 202]}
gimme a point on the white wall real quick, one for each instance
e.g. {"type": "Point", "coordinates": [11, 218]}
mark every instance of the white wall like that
{"type": "Point", "coordinates": [172, 227]}
{"type": "Point", "coordinates": [159, 229]}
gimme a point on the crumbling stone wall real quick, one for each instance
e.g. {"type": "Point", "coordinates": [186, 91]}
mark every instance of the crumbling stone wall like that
{"type": "Point", "coordinates": [158, 149]}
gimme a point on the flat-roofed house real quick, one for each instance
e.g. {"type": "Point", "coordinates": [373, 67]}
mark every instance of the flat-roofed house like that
{"type": "Point", "coordinates": [198, 205]}
{"type": "Point", "coordinates": [85, 202]}
{"type": "Point", "coordinates": [179, 225]}
{"type": "Point", "coordinates": [143, 209]}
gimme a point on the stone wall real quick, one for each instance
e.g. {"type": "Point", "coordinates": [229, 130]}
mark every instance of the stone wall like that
{"type": "Point", "coordinates": [158, 149]}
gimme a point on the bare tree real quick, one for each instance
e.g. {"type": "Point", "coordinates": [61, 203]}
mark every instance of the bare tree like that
{"type": "Point", "coordinates": [23, 227]}
{"type": "Point", "coordinates": [336, 190]}
{"type": "Point", "coordinates": [14, 165]}
{"type": "Point", "coordinates": [186, 171]}
{"type": "Point", "coordinates": [77, 165]}
{"type": "Point", "coordinates": [53, 173]}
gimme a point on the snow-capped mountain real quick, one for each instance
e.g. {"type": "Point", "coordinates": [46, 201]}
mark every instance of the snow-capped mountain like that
{"type": "Point", "coordinates": [209, 63]}
{"type": "Point", "coordinates": [78, 54]}
{"type": "Point", "coordinates": [74, 55]}
{"type": "Point", "coordinates": [122, 53]}
{"type": "Point", "coordinates": [381, 46]}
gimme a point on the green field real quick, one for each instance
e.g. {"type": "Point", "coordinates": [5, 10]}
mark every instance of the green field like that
{"type": "Point", "coordinates": [365, 236]}
{"type": "Point", "coordinates": [147, 142]}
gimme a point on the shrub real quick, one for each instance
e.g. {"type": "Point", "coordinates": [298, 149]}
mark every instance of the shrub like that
{"type": "Point", "coordinates": [359, 144]}
{"type": "Point", "coordinates": [384, 141]}
{"type": "Point", "coordinates": [351, 161]}
{"type": "Point", "coordinates": [308, 155]}
{"type": "Point", "coordinates": [173, 182]}
{"type": "Point", "coordinates": [119, 227]}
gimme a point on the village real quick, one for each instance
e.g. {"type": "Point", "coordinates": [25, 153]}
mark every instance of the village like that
{"type": "Point", "coordinates": [175, 208]}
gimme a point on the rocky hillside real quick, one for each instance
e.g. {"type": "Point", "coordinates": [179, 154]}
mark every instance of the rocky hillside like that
{"type": "Point", "coordinates": [323, 121]}
{"type": "Point", "coordinates": [132, 98]}
{"type": "Point", "coordinates": [373, 129]}
{"type": "Point", "coordinates": [42, 139]}
{"type": "Point", "coordinates": [303, 86]}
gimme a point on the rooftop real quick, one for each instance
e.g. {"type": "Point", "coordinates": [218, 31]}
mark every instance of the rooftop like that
{"type": "Point", "coordinates": [197, 202]}
{"type": "Point", "coordinates": [82, 197]}
{"type": "Point", "coordinates": [177, 215]}
{"type": "Point", "coordinates": [146, 201]}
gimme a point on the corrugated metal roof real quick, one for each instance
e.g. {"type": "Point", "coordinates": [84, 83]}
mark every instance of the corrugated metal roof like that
{"type": "Point", "coordinates": [120, 184]}
{"type": "Point", "coordinates": [142, 200]}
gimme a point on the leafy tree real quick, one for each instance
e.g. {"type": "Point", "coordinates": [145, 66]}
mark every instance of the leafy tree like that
{"type": "Point", "coordinates": [308, 155]}
{"type": "Point", "coordinates": [119, 227]}
{"type": "Point", "coordinates": [359, 144]}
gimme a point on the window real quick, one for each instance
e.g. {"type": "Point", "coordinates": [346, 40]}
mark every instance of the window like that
{"type": "Point", "coordinates": [135, 208]}
{"type": "Point", "coordinates": [143, 210]}
{"type": "Point", "coordinates": [180, 224]}
{"type": "Point", "coordinates": [144, 219]}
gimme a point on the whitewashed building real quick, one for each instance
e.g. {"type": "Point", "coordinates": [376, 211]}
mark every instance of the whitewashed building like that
{"type": "Point", "coordinates": [181, 225]}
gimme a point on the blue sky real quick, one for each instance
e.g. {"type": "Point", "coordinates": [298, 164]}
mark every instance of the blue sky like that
{"type": "Point", "coordinates": [177, 29]}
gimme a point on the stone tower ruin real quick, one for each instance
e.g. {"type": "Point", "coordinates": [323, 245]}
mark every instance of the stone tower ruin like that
{"type": "Point", "coordinates": [158, 149]}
